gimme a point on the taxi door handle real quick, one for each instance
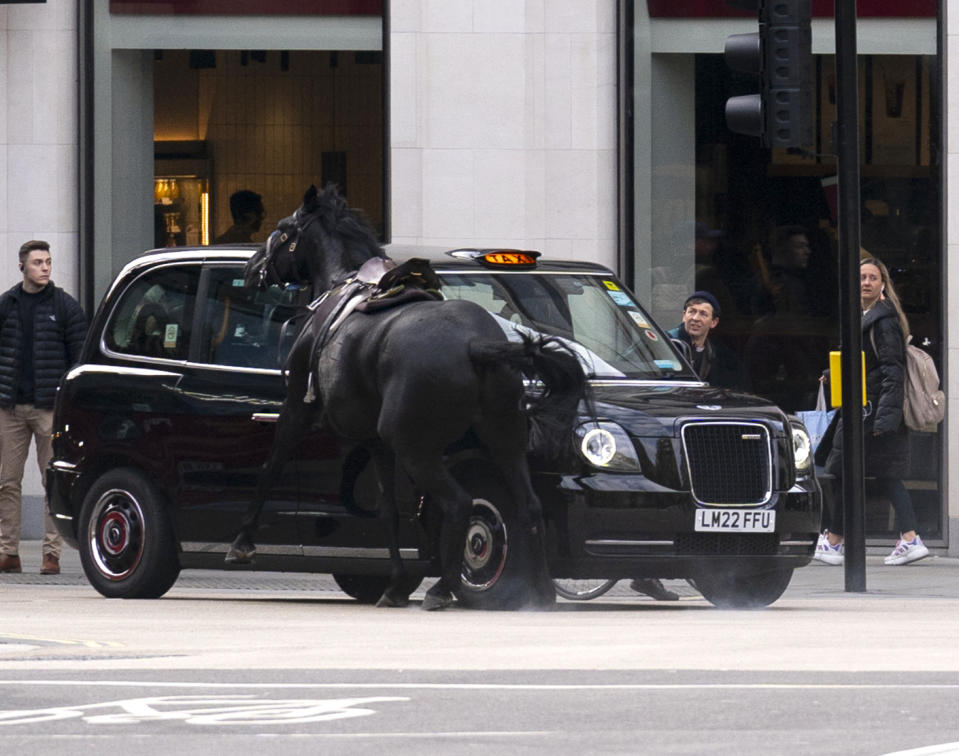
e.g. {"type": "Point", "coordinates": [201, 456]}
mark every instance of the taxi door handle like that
{"type": "Point", "coordinates": [266, 417]}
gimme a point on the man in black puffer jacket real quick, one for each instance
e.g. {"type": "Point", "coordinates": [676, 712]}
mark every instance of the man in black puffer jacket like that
{"type": "Point", "coordinates": [42, 329]}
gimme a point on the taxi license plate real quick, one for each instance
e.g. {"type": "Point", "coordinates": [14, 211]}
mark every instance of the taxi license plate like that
{"type": "Point", "coordinates": [735, 520]}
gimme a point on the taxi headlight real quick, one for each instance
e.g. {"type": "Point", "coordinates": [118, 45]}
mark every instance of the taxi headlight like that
{"type": "Point", "coordinates": [606, 445]}
{"type": "Point", "coordinates": [802, 448]}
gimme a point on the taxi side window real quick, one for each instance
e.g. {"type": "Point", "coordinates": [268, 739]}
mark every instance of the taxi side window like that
{"type": "Point", "coordinates": [244, 327]}
{"type": "Point", "coordinates": [154, 315]}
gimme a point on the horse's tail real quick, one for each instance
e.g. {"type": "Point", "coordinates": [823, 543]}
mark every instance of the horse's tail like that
{"type": "Point", "coordinates": [548, 360]}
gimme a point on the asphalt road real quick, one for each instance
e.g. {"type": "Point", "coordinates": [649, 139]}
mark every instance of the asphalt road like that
{"type": "Point", "coordinates": [284, 663]}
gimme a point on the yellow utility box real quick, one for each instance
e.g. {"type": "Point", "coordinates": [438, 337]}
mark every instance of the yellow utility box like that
{"type": "Point", "coordinates": [835, 379]}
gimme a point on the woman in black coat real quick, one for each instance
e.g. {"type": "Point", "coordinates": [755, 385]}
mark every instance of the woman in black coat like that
{"type": "Point", "coordinates": [885, 436]}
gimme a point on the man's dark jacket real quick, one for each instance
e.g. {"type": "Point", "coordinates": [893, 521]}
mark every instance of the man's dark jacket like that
{"type": "Point", "coordinates": [59, 328]}
{"type": "Point", "coordinates": [723, 366]}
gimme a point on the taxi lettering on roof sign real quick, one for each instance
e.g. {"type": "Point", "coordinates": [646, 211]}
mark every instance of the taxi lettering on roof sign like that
{"type": "Point", "coordinates": [510, 258]}
{"type": "Point", "coordinates": [500, 258]}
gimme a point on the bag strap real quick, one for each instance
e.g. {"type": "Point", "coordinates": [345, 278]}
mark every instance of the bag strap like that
{"type": "Point", "coordinates": [59, 307]}
{"type": "Point", "coordinates": [821, 398]}
{"type": "Point", "coordinates": [872, 339]}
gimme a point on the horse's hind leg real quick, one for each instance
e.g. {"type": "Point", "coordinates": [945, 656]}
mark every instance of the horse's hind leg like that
{"type": "Point", "coordinates": [292, 425]}
{"type": "Point", "coordinates": [505, 438]}
{"type": "Point", "coordinates": [432, 476]}
{"type": "Point", "coordinates": [397, 594]}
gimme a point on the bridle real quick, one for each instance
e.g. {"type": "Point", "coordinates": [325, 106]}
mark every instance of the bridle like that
{"type": "Point", "coordinates": [275, 244]}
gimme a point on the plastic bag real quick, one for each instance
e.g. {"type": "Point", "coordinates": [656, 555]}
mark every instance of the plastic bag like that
{"type": "Point", "coordinates": [817, 420]}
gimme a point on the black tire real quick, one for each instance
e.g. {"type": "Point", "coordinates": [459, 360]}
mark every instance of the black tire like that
{"type": "Point", "coordinates": [495, 573]}
{"type": "Point", "coordinates": [736, 590]}
{"type": "Point", "coordinates": [575, 589]}
{"type": "Point", "coordinates": [126, 541]}
{"type": "Point", "coordinates": [367, 589]}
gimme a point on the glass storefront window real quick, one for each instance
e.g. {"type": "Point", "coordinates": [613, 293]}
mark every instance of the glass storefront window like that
{"type": "Point", "coordinates": [766, 236]}
{"type": "Point", "coordinates": [267, 122]}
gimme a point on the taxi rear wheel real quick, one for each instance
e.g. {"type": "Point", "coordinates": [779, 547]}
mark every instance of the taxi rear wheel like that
{"type": "Point", "coordinates": [126, 541]}
{"type": "Point", "coordinates": [738, 590]}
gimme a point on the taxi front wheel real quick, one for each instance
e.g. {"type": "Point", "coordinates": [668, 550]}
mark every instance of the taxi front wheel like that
{"type": "Point", "coordinates": [126, 541]}
{"type": "Point", "coordinates": [738, 589]}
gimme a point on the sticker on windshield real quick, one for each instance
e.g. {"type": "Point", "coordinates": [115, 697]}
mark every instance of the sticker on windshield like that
{"type": "Point", "coordinates": [170, 335]}
{"type": "Point", "coordinates": [611, 285]}
{"type": "Point", "coordinates": [652, 335]}
{"type": "Point", "coordinates": [620, 298]}
{"type": "Point", "coordinates": [638, 319]}
{"type": "Point", "coordinates": [667, 364]}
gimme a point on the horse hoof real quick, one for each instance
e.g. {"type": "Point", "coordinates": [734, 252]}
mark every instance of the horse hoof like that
{"type": "Point", "coordinates": [432, 603]}
{"type": "Point", "coordinates": [392, 601]}
{"type": "Point", "coordinates": [236, 557]}
{"type": "Point", "coordinates": [241, 552]}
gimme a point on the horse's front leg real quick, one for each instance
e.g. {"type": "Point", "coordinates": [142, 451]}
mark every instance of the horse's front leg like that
{"type": "Point", "coordinates": [292, 425]}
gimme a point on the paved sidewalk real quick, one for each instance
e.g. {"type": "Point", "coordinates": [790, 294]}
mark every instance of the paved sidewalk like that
{"type": "Point", "coordinates": [933, 577]}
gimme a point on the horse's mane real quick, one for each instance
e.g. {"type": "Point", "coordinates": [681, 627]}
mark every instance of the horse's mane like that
{"type": "Point", "coordinates": [349, 225]}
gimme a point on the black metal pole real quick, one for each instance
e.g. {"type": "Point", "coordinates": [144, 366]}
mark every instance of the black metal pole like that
{"type": "Point", "coordinates": [625, 166]}
{"type": "Point", "coordinates": [850, 310]}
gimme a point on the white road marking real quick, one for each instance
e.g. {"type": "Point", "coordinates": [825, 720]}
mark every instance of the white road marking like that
{"type": "Point", "coordinates": [59, 641]}
{"type": "Point", "coordinates": [488, 686]}
{"type": "Point", "coordinates": [203, 710]}
{"type": "Point", "coordinates": [410, 735]}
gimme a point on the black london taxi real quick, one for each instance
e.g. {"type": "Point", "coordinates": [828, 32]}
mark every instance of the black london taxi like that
{"type": "Point", "coordinates": [161, 429]}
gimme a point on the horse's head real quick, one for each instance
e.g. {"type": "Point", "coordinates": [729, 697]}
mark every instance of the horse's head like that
{"type": "Point", "coordinates": [320, 244]}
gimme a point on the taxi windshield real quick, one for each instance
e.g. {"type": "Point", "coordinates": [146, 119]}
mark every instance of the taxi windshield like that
{"type": "Point", "coordinates": [594, 314]}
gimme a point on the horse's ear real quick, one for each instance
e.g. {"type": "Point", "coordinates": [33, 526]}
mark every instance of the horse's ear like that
{"type": "Point", "coordinates": [310, 195]}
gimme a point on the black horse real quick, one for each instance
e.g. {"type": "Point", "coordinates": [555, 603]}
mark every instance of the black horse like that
{"type": "Point", "coordinates": [408, 382]}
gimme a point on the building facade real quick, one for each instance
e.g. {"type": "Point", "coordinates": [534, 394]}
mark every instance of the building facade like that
{"type": "Point", "coordinates": [589, 129]}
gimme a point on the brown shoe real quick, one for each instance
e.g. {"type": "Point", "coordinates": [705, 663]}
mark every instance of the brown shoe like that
{"type": "Point", "coordinates": [10, 563]}
{"type": "Point", "coordinates": [51, 565]}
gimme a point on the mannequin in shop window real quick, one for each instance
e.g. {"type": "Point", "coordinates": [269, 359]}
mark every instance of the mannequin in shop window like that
{"type": "Point", "coordinates": [246, 207]}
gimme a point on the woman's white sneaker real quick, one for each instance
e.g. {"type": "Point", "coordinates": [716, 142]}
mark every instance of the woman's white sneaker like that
{"type": "Point", "coordinates": [907, 551]}
{"type": "Point", "coordinates": [826, 552]}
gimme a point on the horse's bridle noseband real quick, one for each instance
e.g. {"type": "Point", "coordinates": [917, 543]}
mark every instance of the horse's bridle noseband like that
{"type": "Point", "coordinates": [276, 241]}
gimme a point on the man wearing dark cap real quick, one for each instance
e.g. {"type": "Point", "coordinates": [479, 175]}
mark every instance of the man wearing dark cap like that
{"type": "Point", "coordinates": [713, 362]}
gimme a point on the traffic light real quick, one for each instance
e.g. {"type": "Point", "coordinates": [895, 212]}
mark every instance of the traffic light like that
{"type": "Point", "coordinates": [780, 54]}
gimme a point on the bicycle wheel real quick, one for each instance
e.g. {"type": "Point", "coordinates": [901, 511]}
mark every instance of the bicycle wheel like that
{"type": "Point", "coordinates": [575, 589]}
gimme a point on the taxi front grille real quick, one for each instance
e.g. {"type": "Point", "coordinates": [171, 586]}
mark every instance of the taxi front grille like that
{"type": "Point", "coordinates": [728, 463]}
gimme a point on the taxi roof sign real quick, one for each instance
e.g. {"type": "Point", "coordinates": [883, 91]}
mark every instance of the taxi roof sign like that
{"type": "Point", "coordinates": [500, 258]}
